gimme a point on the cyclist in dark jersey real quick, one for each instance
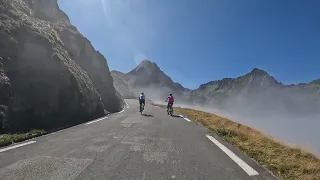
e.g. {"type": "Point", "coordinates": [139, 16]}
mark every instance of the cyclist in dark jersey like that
{"type": "Point", "coordinates": [142, 100]}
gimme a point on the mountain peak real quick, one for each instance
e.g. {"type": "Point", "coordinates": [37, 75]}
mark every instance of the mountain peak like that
{"type": "Point", "coordinates": [146, 61]}
{"type": "Point", "coordinates": [146, 64]}
{"type": "Point", "coordinates": [257, 71]}
{"type": "Point", "coordinates": [260, 78]}
{"type": "Point", "coordinates": [116, 71]}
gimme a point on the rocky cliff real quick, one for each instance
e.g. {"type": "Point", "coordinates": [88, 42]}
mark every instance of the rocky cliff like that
{"type": "Point", "coordinates": [121, 86]}
{"type": "Point", "coordinates": [50, 75]}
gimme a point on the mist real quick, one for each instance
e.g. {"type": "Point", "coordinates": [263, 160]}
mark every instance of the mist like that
{"type": "Point", "coordinates": [288, 115]}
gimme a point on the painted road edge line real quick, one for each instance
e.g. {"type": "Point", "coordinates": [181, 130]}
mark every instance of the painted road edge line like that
{"type": "Point", "coordinates": [16, 146]}
{"type": "Point", "coordinates": [248, 169]}
{"type": "Point", "coordinates": [96, 120]}
{"type": "Point", "coordinates": [185, 118]}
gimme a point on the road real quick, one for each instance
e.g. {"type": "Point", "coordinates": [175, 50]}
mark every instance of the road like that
{"type": "Point", "coordinates": [129, 146]}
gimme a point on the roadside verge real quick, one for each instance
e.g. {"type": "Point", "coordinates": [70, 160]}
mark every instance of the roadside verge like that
{"type": "Point", "coordinates": [9, 139]}
{"type": "Point", "coordinates": [283, 161]}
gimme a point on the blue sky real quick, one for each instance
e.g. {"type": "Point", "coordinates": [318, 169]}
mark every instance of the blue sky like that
{"type": "Point", "coordinates": [198, 41]}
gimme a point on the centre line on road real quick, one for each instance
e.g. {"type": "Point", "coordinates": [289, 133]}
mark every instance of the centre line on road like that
{"type": "Point", "coordinates": [96, 120]}
{"type": "Point", "coordinates": [248, 169]}
{"type": "Point", "coordinates": [16, 146]}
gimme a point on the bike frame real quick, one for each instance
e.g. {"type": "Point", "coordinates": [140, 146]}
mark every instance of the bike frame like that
{"type": "Point", "coordinates": [170, 109]}
{"type": "Point", "coordinates": [141, 107]}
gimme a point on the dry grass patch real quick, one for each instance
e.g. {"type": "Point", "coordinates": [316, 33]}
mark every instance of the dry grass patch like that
{"type": "Point", "coordinates": [284, 161]}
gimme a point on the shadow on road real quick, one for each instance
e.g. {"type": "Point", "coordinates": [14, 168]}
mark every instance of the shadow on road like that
{"type": "Point", "coordinates": [147, 115]}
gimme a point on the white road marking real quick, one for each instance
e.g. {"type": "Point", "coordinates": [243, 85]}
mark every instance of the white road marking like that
{"type": "Point", "coordinates": [127, 107]}
{"type": "Point", "coordinates": [121, 111]}
{"type": "Point", "coordinates": [96, 120]}
{"type": "Point", "coordinates": [185, 118]}
{"type": "Point", "coordinates": [16, 146]}
{"type": "Point", "coordinates": [248, 169]}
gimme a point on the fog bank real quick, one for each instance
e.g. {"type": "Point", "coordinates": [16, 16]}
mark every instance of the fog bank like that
{"type": "Point", "coordinates": [291, 118]}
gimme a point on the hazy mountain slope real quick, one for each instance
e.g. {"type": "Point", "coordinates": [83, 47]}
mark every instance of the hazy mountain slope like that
{"type": "Point", "coordinates": [119, 74]}
{"type": "Point", "coordinates": [317, 81]}
{"type": "Point", "coordinates": [149, 78]}
{"type": "Point", "coordinates": [121, 86]}
{"type": "Point", "coordinates": [259, 90]}
{"type": "Point", "coordinates": [256, 81]}
{"type": "Point", "coordinates": [50, 75]}
{"type": "Point", "coordinates": [245, 94]}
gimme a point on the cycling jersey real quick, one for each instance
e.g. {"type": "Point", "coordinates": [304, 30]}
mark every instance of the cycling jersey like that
{"type": "Point", "coordinates": [141, 97]}
{"type": "Point", "coordinates": [171, 99]}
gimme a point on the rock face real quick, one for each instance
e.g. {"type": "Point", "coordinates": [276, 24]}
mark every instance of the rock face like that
{"type": "Point", "coordinates": [50, 75]}
{"type": "Point", "coordinates": [121, 86]}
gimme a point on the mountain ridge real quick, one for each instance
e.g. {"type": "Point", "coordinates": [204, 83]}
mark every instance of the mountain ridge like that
{"type": "Point", "coordinates": [256, 89]}
{"type": "Point", "coordinates": [254, 72]}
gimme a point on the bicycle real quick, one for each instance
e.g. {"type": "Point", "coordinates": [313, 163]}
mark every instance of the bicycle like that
{"type": "Point", "coordinates": [141, 107]}
{"type": "Point", "coordinates": [170, 110]}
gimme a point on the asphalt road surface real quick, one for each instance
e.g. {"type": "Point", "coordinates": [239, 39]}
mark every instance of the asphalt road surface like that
{"type": "Point", "coordinates": [129, 146]}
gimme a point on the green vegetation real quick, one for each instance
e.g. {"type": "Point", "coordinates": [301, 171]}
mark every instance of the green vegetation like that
{"type": "Point", "coordinates": [10, 138]}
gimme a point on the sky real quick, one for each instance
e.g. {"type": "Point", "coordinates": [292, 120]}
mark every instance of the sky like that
{"type": "Point", "coordinates": [196, 41]}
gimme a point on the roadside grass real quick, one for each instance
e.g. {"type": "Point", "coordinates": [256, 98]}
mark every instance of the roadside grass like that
{"type": "Point", "coordinates": [6, 139]}
{"type": "Point", "coordinates": [282, 160]}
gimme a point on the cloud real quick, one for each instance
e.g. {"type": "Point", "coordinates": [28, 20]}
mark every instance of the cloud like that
{"type": "Point", "coordinates": [104, 7]}
{"type": "Point", "coordinates": [139, 57]}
